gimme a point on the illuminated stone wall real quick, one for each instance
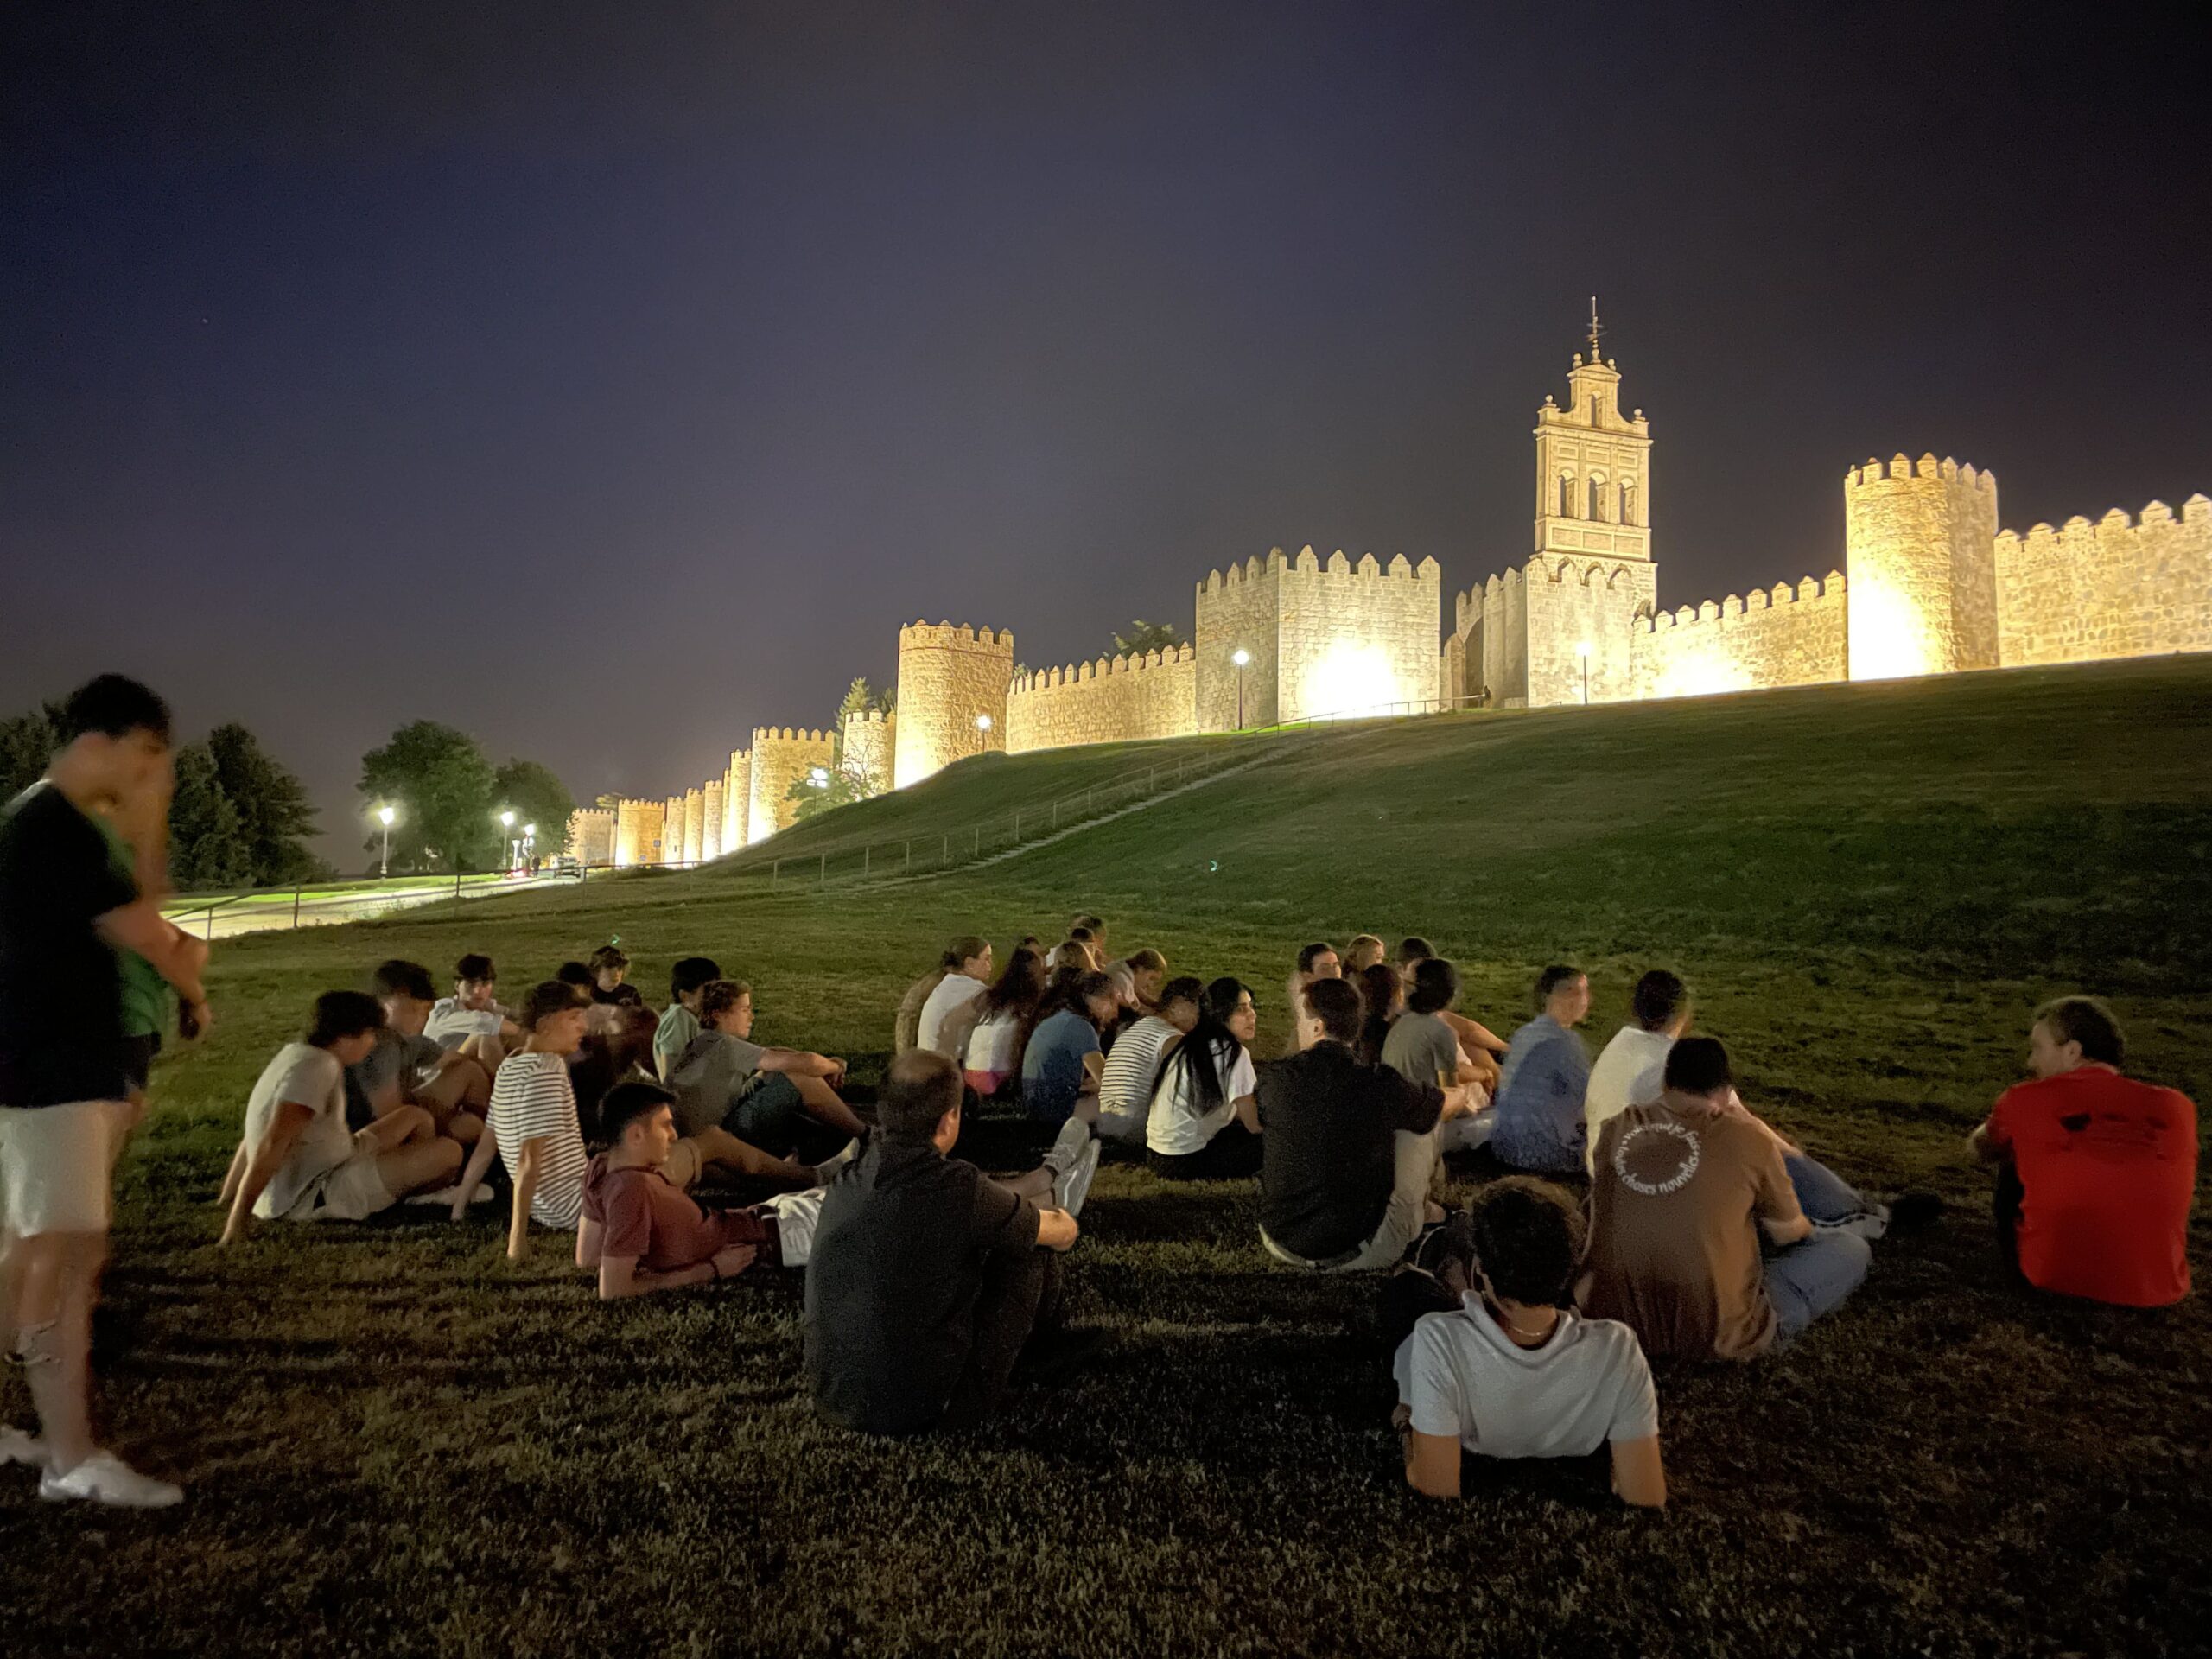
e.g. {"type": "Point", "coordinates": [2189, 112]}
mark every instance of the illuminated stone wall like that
{"type": "Point", "coordinates": [1577, 603]}
{"type": "Point", "coordinates": [591, 834]}
{"type": "Point", "coordinates": [712, 845]}
{"type": "Point", "coordinates": [1239, 611]}
{"type": "Point", "coordinates": [781, 756]}
{"type": "Point", "coordinates": [694, 825]}
{"type": "Point", "coordinates": [1780, 636]}
{"type": "Point", "coordinates": [737, 800]}
{"type": "Point", "coordinates": [871, 746]}
{"type": "Point", "coordinates": [1325, 640]}
{"type": "Point", "coordinates": [2113, 588]}
{"type": "Point", "coordinates": [637, 832]}
{"type": "Point", "coordinates": [1113, 700]}
{"type": "Point", "coordinates": [1919, 543]}
{"type": "Point", "coordinates": [949, 675]}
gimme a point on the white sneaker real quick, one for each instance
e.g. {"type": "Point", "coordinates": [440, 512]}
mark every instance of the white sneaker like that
{"type": "Point", "coordinates": [105, 1478]}
{"type": "Point", "coordinates": [826, 1171]}
{"type": "Point", "coordinates": [446, 1195]}
{"type": "Point", "coordinates": [1073, 1161]}
{"type": "Point", "coordinates": [15, 1447]}
{"type": "Point", "coordinates": [1870, 1223]}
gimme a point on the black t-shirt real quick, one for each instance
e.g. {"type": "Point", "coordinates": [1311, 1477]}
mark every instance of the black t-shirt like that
{"type": "Point", "coordinates": [61, 994]}
{"type": "Point", "coordinates": [897, 1264]}
{"type": "Point", "coordinates": [1329, 1161]}
{"type": "Point", "coordinates": [628, 997]}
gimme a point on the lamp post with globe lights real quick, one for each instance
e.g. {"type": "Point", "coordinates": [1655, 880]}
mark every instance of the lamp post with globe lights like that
{"type": "Point", "coordinates": [384, 815]}
{"type": "Point", "coordinates": [983, 723]}
{"type": "Point", "coordinates": [1242, 658]}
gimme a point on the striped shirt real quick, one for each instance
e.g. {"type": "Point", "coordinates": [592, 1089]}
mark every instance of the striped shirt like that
{"type": "Point", "coordinates": [1125, 1086]}
{"type": "Point", "coordinates": [532, 1097]}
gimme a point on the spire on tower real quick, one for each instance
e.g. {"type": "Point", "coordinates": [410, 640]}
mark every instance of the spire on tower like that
{"type": "Point", "coordinates": [1595, 331]}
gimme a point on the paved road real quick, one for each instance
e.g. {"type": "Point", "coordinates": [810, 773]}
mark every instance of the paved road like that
{"type": "Point", "coordinates": [264, 913]}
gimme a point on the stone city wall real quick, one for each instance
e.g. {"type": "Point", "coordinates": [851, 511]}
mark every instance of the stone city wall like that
{"type": "Point", "coordinates": [1918, 544]}
{"type": "Point", "coordinates": [737, 800]}
{"type": "Point", "coordinates": [637, 832]}
{"type": "Point", "coordinates": [1113, 700]}
{"type": "Point", "coordinates": [2113, 588]}
{"type": "Point", "coordinates": [1777, 636]}
{"type": "Point", "coordinates": [950, 676]}
{"type": "Point", "coordinates": [694, 825]}
{"type": "Point", "coordinates": [1574, 603]}
{"type": "Point", "coordinates": [712, 845]}
{"type": "Point", "coordinates": [871, 746]}
{"type": "Point", "coordinates": [591, 834]}
{"type": "Point", "coordinates": [781, 756]}
{"type": "Point", "coordinates": [674, 844]}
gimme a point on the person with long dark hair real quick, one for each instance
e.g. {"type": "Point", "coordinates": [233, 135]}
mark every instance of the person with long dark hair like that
{"type": "Point", "coordinates": [993, 1054]}
{"type": "Point", "coordinates": [1381, 995]}
{"type": "Point", "coordinates": [1204, 1125]}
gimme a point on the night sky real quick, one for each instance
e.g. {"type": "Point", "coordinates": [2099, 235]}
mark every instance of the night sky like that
{"type": "Point", "coordinates": [607, 380]}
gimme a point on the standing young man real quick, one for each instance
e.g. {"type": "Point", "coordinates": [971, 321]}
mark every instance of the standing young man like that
{"type": "Point", "coordinates": [65, 1091]}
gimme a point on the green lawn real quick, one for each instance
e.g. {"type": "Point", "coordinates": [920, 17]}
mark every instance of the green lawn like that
{"type": "Point", "coordinates": [397, 1442]}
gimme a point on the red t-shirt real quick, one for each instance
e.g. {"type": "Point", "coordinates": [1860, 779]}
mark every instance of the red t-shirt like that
{"type": "Point", "coordinates": [643, 1216]}
{"type": "Point", "coordinates": [2108, 1167]}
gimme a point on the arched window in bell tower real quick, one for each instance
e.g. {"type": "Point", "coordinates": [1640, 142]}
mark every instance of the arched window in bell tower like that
{"type": "Point", "coordinates": [1566, 496]}
{"type": "Point", "coordinates": [1597, 497]}
{"type": "Point", "coordinates": [1628, 501]}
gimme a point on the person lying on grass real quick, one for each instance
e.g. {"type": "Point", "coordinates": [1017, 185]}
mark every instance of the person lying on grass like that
{"type": "Point", "coordinates": [298, 1160]}
{"type": "Point", "coordinates": [1514, 1372]}
{"type": "Point", "coordinates": [2096, 1170]}
{"type": "Point", "coordinates": [640, 1230]}
{"type": "Point", "coordinates": [405, 1068]}
{"type": "Point", "coordinates": [766, 1097]}
{"type": "Point", "coordinates": [533, 1120]}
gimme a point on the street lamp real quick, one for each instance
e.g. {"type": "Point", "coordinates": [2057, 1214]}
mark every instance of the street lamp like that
{"type": "Point", "coordinates": [819, 777]}
{"type": "Point", "coordinates": [1241, 657]}
{"type": "Point", "coordinates": [983, 733]}
{"type": "Point", "coordinates": [1583, 651]}
{"type": "Point", "coordinates": [529, 842]}
{"type": "Point", "coordinates": [384, 815]}
{"type": "Point", "coordinates": [507, 823]}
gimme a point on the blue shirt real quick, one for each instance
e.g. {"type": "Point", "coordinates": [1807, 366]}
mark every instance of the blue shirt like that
{"type": "Point", "coordinates": [1052, 1066]}
{"type": "Point", "coordinates": [1540, 1089]}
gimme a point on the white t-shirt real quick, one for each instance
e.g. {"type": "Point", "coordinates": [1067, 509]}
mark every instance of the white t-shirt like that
{"type": "Point", "coordinates": [1628, 1073]}
{"type": "Point", "coordinates": [1173, 1128]}
{"type": "Point", "coordinates": [1462, 1375]}
{"type": "Point", "coordinates": [991, 1045]}
{"type": "Point", "coordinates": [532, 1097]}
{"type": "Point", "coordinates": [953, 991]}
{"type": "Point", "coordinates": [451, 1025]}
{"type": "Point", "coordinates": [312, 1078]}
{"type": "Point", "coordinates": [1125, 1086]}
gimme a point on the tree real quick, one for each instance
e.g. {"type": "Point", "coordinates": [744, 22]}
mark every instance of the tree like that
{"type": "Point", "coordinates": [1144, 637]}
{"type": "Point", "coordinates": [27, 743]}
{"type": "Point", "coordinates": [840, 785]}
{"type": "Point", "coordinates": [442, 787]}
{"type": "Point", "coordinates": [208, 847]}
{"type": "Point", "coordinates": [534, 795]}
{"type": "Point", "coordinates": [860, 699]}
{"type": "Point", "coordinates": [274, 813]}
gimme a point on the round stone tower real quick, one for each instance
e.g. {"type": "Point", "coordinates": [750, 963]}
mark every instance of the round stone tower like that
{"type": "Point", "coordinates": [952, 684]}
{"type": "Point", "coordinates": [1921, 541]}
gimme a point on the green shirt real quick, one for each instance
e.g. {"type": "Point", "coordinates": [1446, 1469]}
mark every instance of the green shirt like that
{"type": "Point", "coordinates": [145, 993]}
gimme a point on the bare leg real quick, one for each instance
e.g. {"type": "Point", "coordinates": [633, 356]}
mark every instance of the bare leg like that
{"type": "Point", "coordinates": [238, 1161]}
{"type": "Point", "coordinates": [487, 1050]}
{"type": "Point", "coordinates": [719, 1146]}
{"type": "Point", "coordinates": [419, 1166]}
{"type": "Point", "coordinates": [56, 1277]}
{"type": "Point", "coordinates": [824, 1106]}
{"type": "Point", "coordinates": [480, 1160]}
{"type": "Point", "coordinates": [455, 1100]}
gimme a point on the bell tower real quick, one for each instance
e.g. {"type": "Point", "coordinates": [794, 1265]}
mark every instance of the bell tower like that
{"type": "Point", "coordinates": [1593, 467]}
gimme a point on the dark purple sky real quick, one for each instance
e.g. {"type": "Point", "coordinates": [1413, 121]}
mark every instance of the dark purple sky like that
{"type": "Point", "coordinates": [608, 379]}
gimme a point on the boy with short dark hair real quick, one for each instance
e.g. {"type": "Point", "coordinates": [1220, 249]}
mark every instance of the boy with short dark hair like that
{"type": "Point", "coordinates": [471, 1019]}
{"type": "Point", "coordinates": [406, 1068]}
{"type": "Point", "coordinates": [609, 963]}
{"type": "Point", "coordinates": [762, 1095]}
{"type": "Point", "coordinates": [680, 1024]}
{"type": "Point", "coordinates": [640, 1231]}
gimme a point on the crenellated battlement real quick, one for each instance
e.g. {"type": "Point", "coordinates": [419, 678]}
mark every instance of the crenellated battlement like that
{"type": "Point", "coordinates": [1103, 667]}
{"type": "Point", "coordinates": [1777, 597]}
{"type": "Point", "coordinates": [866, 717]}
{"type": "Point", "coordinates": [1309, 562]}
{"type": "Point", "coordinates": [785, 735]}
{"type": "Point", "coordinates": [1899, 467]}
{"type": "Point", "coordinates": [954, 635]}
{"type": "Point", "coordinates": [2077, 533]}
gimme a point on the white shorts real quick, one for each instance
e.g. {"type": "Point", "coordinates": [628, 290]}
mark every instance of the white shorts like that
{"type": "Point", "coordinates": [353, 1191]}
{"type": "Point", "coordinates": [56, 1164]}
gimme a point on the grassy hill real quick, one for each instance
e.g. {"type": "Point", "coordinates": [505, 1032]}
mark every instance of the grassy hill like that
{"type": "Point", "coordinates": [397, 1441]}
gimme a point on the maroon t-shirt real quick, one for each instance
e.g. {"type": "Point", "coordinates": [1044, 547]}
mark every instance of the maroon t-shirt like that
{"type": "Point", "coordinates": [640, 1214]}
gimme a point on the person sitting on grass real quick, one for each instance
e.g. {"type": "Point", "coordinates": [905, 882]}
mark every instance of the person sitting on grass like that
{"type": "Point", "coordinates": [406, 1068]}
{"type": "Point", "coordinates": [1349, 1149]}
{"type": "Point", "coordinates": [1365, 952]}
{"type": "Point", "coordinates": [533, 1124]}
{"type": "Point", "coordinates": [471, 1019]}
{"type": "Point", "coordinates": [2096, 1170]}
{"type": "Point", "coordinates": [296, 1158]}
{"type": "Point", "coordinates": [610, 966]}
{"type": "Point", "coordinates": [1482, 1046]}
{"type": "Point", "coordinates": [1547, 1072]}
{"type": "Point", "coordinates": [1147, 971]}
{"type": "Point", "coordinates": [1132, 1070]}
{"type": "Point", "coordinates": [954, 1007]}
{"type": "Point", "coordinates": [1381, 994]}
{"type": "Point", "coordinates": [1686, 1189]}
{"type": "Point", "coordinates": [1422, 1045]}
{"type": "Point", "coordinates": [1632, 1069]}
{"type": "Point", "coordinates": [1091, 929]}
{"type": "Point", "coordinates": [641, 1231]}
{"type": "Point", "coordinates": [992, 1054]}
{"type": "Point", "coordinates": [1063, 1061]}
{"type": "Point", "coordinates": [1203, 1124]}
{"type": "Point", "coordinates": [680, 1024]}
{"type": "Point", "coordinates": [1316, 961]}
{"type": "Point", "coordinates": [1515, 1371]}
{"type": "Point", "coordinates": [765, 1097]}
{"type": "Point", "coordinates": [906, 1027]}
{"type": "Point", "coordinates": [926, 1280]}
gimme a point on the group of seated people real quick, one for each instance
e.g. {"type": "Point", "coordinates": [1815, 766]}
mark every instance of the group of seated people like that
{"type": "Point", "coordinates": [1524, 1324]}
